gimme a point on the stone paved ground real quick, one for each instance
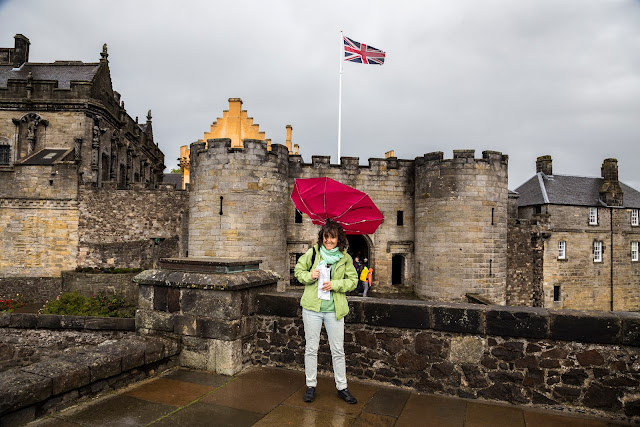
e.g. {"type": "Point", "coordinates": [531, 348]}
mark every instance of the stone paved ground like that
{"type": "Point", "coordinates": [273, 397]}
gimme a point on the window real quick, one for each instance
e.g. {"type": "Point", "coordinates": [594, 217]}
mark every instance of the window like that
{"type": "Point", "coordinates": [298, 217]}
{"type": "Point", "coordinates": [400, 220]}
{"type": "Point", "coordinates": [635, 221]}
{"type": "Point", "coordinates": [597, 251]}
{"type": "Point", "coordinates": [562, 249]}
{"type": "Point", "coordinates": [593, 216]}
{"type": "Point", "coordinates": [556, 293]}
{"type": "Point", "coordinates": [5, 156]}
{"type": "Point", "coordinates": [634, 251]}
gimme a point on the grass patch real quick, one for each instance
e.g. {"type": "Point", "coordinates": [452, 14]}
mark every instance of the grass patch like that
{"type": "Point", "coordinates": [72, 303]}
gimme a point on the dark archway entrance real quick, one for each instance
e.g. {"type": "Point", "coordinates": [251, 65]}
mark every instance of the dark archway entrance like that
{"type": "Point", "coordinates": [397, 270]}
{"type": "Point", "coordinates": [359, 247]}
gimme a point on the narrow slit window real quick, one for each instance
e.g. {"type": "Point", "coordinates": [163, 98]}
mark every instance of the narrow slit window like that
{"type": "Point", "coordinates": [298, 217]}
{"type": "Point", "coordinates": [556, 293]}
{"type": "Point", "coordinates": [400, 218]}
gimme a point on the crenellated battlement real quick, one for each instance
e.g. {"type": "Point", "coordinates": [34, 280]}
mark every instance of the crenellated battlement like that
{"type": "Point", "coordinates": [350, 163]}
{"type": "Point", "coordinates": [463, 157]}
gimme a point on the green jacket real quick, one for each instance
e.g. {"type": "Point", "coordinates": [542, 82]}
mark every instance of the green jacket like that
{"type": "Point", "coordinates": [345, 279]}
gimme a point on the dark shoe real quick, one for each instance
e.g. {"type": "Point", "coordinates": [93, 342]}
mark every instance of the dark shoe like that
{"type": "Point", "coordinates": [347, 396]}
{"type": "Point", "coordinates": [310, 394]}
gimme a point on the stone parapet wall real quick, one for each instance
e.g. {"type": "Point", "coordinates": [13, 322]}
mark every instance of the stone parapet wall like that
{"type": "Point", "coordinates": [583, 361]}
{"type": "Point", "coordinates": [525, 250]}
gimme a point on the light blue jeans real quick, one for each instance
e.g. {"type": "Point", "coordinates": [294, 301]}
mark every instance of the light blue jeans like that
{"type": "Point", "coordinates": [335, 333]}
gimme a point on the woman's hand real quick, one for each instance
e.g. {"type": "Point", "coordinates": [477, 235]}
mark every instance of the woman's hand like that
{"type": "Point", "coordinates": [326, 286]}
{"type": "Point", "coordinates": [315, 274]}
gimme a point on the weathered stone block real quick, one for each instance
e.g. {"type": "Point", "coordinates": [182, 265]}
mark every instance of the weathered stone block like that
{"type": "Point", "coordinates": [49, 321]}
{"type": "Point", "coordinates": [155, 320]}
{"type": "Point", "coordinates": [64, 375]}
{"type": "Point", "coordinates": [72, 322]}
{"type": "Point", "coordinates": [458, 318]}
{"type": "Point", "coordinates": [23, 320]}
{"type": "Point", "coordinates": [381, 312]}
{"type": "Point", "coordinates": [110, 323]}
{"type": "Point", "coordinates": [19, 389]}
{"type": "Point", "coordinates": [284, 304]}
{"type": "Point", "coordinates": [630, 328]}
{"type": "Point", "coordinates": [584, 326]}
{"type": "Point", "coordinates": [527, 322]}
{"type": "Point", "coordinates": [209, 303]}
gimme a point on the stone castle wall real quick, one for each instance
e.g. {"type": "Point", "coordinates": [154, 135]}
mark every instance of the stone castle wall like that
{"type": "Point", "coordinates": [118, 228]}
{"type": "Point", "coordinates": [238, 202]}
{"type": "Point", "coordinates": [389, 184]}
{"type": "Point", "coordinates": [461, 225]}
{"type": "Point", "coordinates": [525, 248]}
{"type": "Point", "coordinates": [38, 221]}
{"type": "Point", "coordinates": [585, 284]}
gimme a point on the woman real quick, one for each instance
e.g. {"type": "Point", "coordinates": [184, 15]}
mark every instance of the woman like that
{"type": "Point", "coordinates": [331, 250]}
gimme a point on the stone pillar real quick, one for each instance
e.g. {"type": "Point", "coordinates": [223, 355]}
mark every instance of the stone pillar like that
{"type": "Point", "coordinates": [207, 305]}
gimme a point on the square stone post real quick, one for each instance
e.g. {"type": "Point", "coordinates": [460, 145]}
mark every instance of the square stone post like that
{"type": "Point", "coordinates": [207, 305]}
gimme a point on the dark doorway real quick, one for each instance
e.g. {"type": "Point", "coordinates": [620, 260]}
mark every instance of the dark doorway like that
{"type": "Point", "coordinates": [358, 247]}
{"type": "Point", "coordinates": [105, 167]}
{"type": "Point", "coordinates": [122, 182]}
{"type": "Point", "coordinates": [397, 270]}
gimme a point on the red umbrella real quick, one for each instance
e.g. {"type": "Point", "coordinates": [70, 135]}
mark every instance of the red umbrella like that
{"type": "Point", "coordinates": [325, 199]}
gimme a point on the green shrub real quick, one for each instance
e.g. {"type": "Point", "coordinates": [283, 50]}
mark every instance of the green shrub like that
{"type": "Point", "coordinates": [98, 305]}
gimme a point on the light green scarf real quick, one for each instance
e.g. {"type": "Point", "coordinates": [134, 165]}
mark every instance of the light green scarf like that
{"type": "Point", "coordinates": [330, 256]}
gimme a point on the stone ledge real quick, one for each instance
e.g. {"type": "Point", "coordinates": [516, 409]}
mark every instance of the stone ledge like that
{"type": "Point", "coordinates": [214, 281]}
{"type": "Point", "coordinates": [58, 321]}
{"type": "Point", "coordinates": [526, 322]}
{"type": "Point", "coordinates": [36, 383]}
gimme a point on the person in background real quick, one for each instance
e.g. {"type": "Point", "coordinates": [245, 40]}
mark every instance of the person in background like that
{"type": "Point", "coordinates": [358, 266]}
{"type": "Point", "coordinates": [331, 250]}
{"type": "Point", "coordinates": [367, 283]}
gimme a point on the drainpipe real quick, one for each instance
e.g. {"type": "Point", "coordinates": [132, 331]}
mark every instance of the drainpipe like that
{"type": "Point", "coordinates": [611, 252]}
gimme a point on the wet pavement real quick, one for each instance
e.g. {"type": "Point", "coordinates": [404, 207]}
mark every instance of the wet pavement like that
{"type": "Point", "coordinates": [273, 397]}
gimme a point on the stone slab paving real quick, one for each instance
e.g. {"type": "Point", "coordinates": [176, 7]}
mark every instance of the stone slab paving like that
{"type": "Point", "coordinates": [273, 397]}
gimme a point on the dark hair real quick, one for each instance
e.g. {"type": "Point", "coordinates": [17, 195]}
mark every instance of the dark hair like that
{"type": "Point", "coordinates": [333, 229]}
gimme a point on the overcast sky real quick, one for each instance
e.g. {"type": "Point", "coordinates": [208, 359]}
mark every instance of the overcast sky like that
{"type": "Point", "coordinates": [527, 78]}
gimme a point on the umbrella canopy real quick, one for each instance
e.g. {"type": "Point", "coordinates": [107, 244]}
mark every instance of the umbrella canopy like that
{"type": "Point", "coordinates": [325, 199]}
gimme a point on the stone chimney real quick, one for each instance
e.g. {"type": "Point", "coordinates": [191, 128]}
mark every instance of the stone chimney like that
{"type": "Point", "coordinates": [543, 164]}
{"type": "Point", "coordinates": [21, 51]}
{"type": "Point", "coordinates": [288, 140]}
{"type": "Point", "coordinates": [610, 192]}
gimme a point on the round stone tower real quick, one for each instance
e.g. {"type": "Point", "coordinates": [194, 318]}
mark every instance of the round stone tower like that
{"type": "Point", "coordinates": [238, 201]}
{"type": "Point", "coordinates": [461, 226]}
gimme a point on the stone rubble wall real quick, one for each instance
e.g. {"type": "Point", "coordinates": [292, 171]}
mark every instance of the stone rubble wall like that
{"type": "Point", "coordinates": [582, 361]}
{"type": "Point", "coordinates": [117, 227]}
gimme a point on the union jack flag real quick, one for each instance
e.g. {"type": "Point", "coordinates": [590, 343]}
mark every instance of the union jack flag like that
{"type": "Point", "coordinates": [362, 53]}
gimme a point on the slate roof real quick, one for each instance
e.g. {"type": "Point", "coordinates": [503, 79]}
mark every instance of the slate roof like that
{"type": "Point", "coordinates": [569, 190]}
{"type": "Point", "coordinates": [173, 178]}
{"type": "Point", "coordinates": [46, 156]}
{"type": "Point", "coordinates": [61, 71]}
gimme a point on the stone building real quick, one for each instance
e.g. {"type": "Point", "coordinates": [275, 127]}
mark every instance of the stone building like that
{"type": "Point", "coordinates": [80, 180]}
{"type": "Point", "coordinates": [575, 241]}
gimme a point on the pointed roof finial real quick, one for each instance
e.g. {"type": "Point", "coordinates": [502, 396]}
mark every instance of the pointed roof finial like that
{"type": "Point", "coordinates": [149, 116]}
{"type": "Point", "coordinates": [104, 53]}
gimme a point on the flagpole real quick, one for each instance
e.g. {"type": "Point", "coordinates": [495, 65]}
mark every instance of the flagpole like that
{"type": "Point", "coordinates": [340, 97]}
